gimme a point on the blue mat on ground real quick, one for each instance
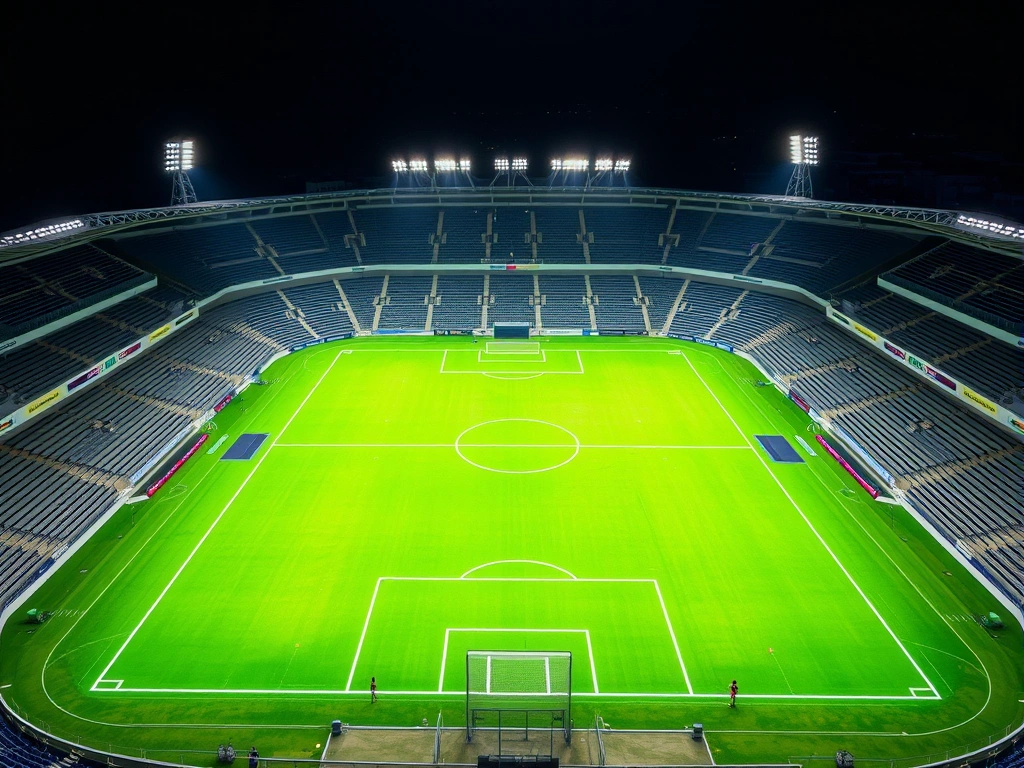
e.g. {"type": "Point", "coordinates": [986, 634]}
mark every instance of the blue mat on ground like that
{"type": "Point", "coordinates": [244, 448]}
{"type": "Point", "coordinates": [779, 449]}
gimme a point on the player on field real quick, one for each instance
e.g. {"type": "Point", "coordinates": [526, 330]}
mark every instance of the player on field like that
{"type": "Point", "coordinates": [733, 690]}
{"type": "Point", "coordinates": [373, 689]}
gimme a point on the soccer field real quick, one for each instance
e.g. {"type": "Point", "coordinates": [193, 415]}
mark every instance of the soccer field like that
{"type": "Point", "coordinates": [417, 499]}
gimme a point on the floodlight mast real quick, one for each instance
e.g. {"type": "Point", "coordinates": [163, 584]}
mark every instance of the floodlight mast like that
{"type": "Point", "coordinates": [803, 153]}
{"type": "Point", "coordinates": [179, 158]}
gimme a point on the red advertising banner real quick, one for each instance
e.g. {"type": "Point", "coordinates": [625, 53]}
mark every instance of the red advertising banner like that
{"type": "Point", "coordinates": [846, 465]}
{"type": "Point", "coordinates": [177, 465]}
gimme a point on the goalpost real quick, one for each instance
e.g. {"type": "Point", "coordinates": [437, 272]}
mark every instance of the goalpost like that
{"type": "Point", "coordinates": [504, 689]}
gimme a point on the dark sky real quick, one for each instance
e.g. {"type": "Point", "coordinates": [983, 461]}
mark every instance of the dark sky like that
{"type": "Point", "coordinates": [278, 94]}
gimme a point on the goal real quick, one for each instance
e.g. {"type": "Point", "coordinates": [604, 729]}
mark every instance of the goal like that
{"type": "Point", "coordinates": [506, 689]}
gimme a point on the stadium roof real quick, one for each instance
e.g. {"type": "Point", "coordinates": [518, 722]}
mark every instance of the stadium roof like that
{"type": "Point", "coordinates": [977, 229]}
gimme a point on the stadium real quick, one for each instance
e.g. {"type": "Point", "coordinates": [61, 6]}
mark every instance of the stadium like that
{"type": "Point", "coordinates": [551, 465]}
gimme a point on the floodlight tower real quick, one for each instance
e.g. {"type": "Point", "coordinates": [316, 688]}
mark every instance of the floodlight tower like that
{"type": "Point", "coordinates": [803, 153]}
{"type": "Point", "coordinates": [179, 156]}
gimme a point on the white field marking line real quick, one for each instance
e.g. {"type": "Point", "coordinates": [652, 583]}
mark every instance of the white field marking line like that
{"type": "Point", "coordinates": [488, 674]}
{"type": "Point", "coordinates": [524, 373]}
{"type": "Point", "coordinates": [913, 691]}
{"type": "Point", "coordinates": [480, 357]}
{"type": "Point", "coordinates": [444, 359]}
{"type": "Point", "coordinates": [672, 634]}
{"type": "Point", "coordinates": [298, 692]}
{"type": "Point", "coordinates": [530, 562]}
{"type": "Point", "coordinates": [42, 673]}
{"type": "Point", "coordinates": [708, 748]}
{"type": "Point", "coordinates": [547, 674]}
{"type": "Point", "coordinates": [586, 634]}
{"type": "Point", "coordinates": [942, 616]}
{"type": "Point", "coordinates": [511, 376]}
{"type": "Point", "coordinates": [520, 445]}
{"type": "Point", "coordinates": [216, 520]}
{"type": "Point", "coordinates": [815, 531]}
{"type": "Point", "coordinates": [362, 636]}
{"type": "Point", "coordinates": [574, 580]}
{"type": "Point", "coordinates": [506, 347]}
{"type": "Point", "coordinates": [580, 360]}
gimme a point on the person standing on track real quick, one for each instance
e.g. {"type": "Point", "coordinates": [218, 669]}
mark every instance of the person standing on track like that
{"type": "Point", "coordinates": [733, 690]}
{"type": "Point", "coordinates": [373, 689]}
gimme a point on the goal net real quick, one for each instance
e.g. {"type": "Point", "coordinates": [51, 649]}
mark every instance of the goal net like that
{"type": "Point", "coordinates": [512, 687]}
{"type": "Point", "coordinates": [512, 348]}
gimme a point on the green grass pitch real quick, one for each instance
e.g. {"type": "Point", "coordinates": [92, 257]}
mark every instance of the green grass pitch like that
{"type": "Point", "coordinates": [418, 498]}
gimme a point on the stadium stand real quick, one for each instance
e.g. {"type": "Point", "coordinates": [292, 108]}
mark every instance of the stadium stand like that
{"type": "Point", "coordinates": [558, 235]}
{"type": "Point", "coordinates": [30, 370]}
{"type": "Point", "coordinates": [563, 301]}
{"type": "Point", "coordinates": [987, 365]}
{"type": "Point", "coordinates": [616, 303]}
{"type": "Point", "coordinates": [463, 231]}
{"type": "Point", "coordinates": [404, 305]}
{"type": "Point", "coordinates": [985, 285]}
{"type": "Point", "coordinates": [42, 290]}
{"type": "Point", "coordinates": [458, 304]}
{"type": "Point", "coordinates": [19, 751]}
{"type": "Point", "coordinates": [625, 235]}
{"type": "Point", "coordinates": [510, 300]}
{"type": "Point", "coordinates": [396, 236]}
{"type": "Point", "coordinates": [510, 228]}
{"type": "Point", "coordinates": [660, 295]}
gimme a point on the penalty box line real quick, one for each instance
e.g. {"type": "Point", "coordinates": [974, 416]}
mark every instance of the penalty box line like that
{"type": "Point", "coordinates": [102, 678]}
{"type": "Point", "coordinates": [585, 632]}
{"type": "Point", "coordinates": [444, 363]}
{"type": "Point", "coordinates": [654, 582]}
{"type": "Point", "coordinates": [817, 535]}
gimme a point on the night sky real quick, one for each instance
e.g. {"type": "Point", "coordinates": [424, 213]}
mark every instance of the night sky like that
{"type": "Point", "coordinates": [701, 95]}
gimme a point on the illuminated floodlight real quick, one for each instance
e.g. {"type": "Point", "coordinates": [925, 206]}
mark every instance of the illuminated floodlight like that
{"type": "Point", "coordinates": [519, 164]}
{"type": "Point", "coordinates": [987, 225]}
{"type": "Point", "coordinates": [621, 166]}
{"type": "Point", "coordinates": [501, 164]}
{"type": "Point", "coordinates": [464, 165]}
{"type": "Point", "coordinates": [803, 150]}
{"type": "Point", "coordinates": [179, 155]}
{"type": "Point", "coordinates": [399, 166]}
{"type": "Point", "coordinates": [575, 164]}
{"type": "Point", "coordinates": [418, 166]}
{"type": "Point", "coordinates": [556, 164]}
{"type": "Point", "coordinates": [603, 164]}
{"type": "Point", "coordinates": [445, 165]}
{"type": "Point", "coordinates": [48, 230]}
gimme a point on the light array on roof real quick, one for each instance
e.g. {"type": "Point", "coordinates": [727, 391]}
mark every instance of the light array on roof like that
{"type": "Point", "coordinates": [803, 150]}
{"type": "Point", "coordinates": [519, 164]}
{"type": "Point", "coordinates": [572, 164]}
{"type": "Point", "coordinates": [40, 232]}
{"type": "Point", "coordinates": [444, 165]}
{"type": "Point", "coordinates": [991, 226]}
{"type": "Point", "coordinates": [418, 166]}
{"type": "Point", "coordinates": [621, 166]}
{"type": "Point", "coordinates": [400, 166]}
{"type": "Point", "coordinates": [603, 164]}
{"type": "Point", "coordinates": [464, 165]}
{"type": "Point", "coordinates": [179, 155]}
{"type": "Point", "coordinates": [501, 164]}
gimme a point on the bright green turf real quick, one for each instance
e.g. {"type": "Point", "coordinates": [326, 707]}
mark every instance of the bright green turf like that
{"type": "Point", "coordinates": [242, 592]}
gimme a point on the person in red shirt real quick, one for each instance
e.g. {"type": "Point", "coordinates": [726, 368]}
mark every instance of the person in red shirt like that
{"type": "Point", "coordinates": [733, 689]}
{"type": "Point", "coordinates": [373, 689]}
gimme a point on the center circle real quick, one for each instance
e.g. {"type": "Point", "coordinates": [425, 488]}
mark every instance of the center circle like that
{"type": "Point", "coordinates": [517, 446]}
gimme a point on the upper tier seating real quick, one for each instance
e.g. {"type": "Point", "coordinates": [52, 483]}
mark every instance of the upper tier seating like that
{"type": "Point", "coordinates": [39, 291]}
{"type": "Point", "coordinates": [458, 302]}
{"type": "Point", "coordinates": [616, 303]}
{"type": "Point", "coordinates": [979, 283]}
{"type": "Point", "coordinates": [32, 369]}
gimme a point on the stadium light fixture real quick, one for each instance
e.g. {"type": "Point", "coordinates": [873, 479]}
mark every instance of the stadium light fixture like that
{"type": "Point", "coordinates": [39, 233]}
{"type": "Point", "coordinates": [464, 165]}
{"type": "Point", "coordinates": [179, 155]}
{"type": "Point", "coordinates": [988, 225]}
{"type": "Point", "coordinates": [501, 164]}
{"type": "Point", "coordinates": [444, 165]}
{"type": "Point", "coordinates": [556, 164]}
{"type": "Point", "coordinates": [519, 164]}
{"type": "Point", "coordinates": [603, 164]}
{"type": "Point", "coordinates": [621, 166]}
{"type": "Point", "coordinates": [400, 166]}
{"type": "Point", "coordinates": [575, 164]}
{"type": "Point", "coordinates": [418, 166]}
{"type": "Point", "coordinates": [803, 150]}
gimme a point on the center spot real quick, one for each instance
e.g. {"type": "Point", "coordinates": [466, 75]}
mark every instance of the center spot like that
{"type": "Point", "coordinates": [517, 446]}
